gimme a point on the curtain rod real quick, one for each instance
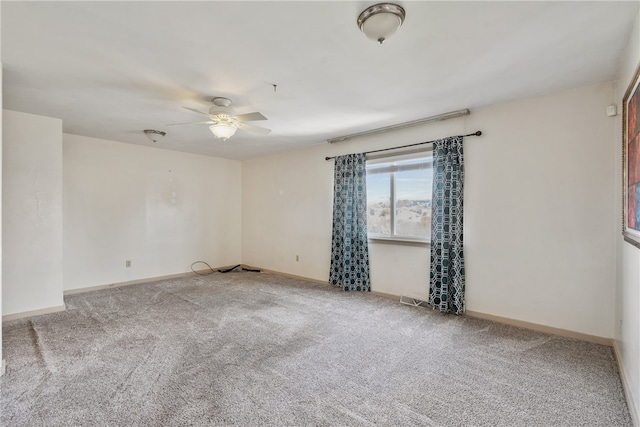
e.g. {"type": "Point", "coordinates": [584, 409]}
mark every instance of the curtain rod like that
{"type": "Point", "coordinates": [438, 118]}
{"type": "Point", "coordinates": [477, 133]}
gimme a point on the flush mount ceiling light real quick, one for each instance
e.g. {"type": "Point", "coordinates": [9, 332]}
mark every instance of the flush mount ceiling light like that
{"type": "Point", "coordinates": [380, 21]}
{"type": "Point", "coordinates": [154, 135]}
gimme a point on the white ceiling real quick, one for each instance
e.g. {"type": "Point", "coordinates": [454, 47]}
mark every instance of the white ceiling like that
{"type": "Point", "coordinates": [111, 69]}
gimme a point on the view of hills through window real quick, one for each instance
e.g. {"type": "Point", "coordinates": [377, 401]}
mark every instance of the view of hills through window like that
{"type": "Point", "coordinates": [409, 184]}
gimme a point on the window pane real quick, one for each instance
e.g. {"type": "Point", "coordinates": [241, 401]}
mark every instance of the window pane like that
{"type": "Point", "coordinates": [413, 203]}
{"type": "Point", "coordinates": [378, 203]}
{"type": "Point", "coordinates": [422, 160]}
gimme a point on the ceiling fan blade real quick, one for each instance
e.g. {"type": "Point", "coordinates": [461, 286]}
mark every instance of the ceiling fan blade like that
{"type": "Point", "coordinates": [196, 111]}
{"type": "Point", "coordinates": [192, 123]}
{"type": "Point", "coordinates": [250, 117]}
{"type": "Point", "coordinates": [254, 128]}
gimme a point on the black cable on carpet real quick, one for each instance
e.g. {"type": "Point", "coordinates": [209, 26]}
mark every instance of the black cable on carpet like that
{"type": "Point", "coordinates": [223, 270]}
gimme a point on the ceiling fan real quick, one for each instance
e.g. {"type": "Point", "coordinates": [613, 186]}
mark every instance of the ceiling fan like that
{"type": "Point", "coordinates": [224, 121]}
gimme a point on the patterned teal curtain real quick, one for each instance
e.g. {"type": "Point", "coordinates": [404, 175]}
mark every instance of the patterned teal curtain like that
{"type": "Point", "coordinates": [349, 247]}
{"type": "Point", "coordinates": [446, 287]}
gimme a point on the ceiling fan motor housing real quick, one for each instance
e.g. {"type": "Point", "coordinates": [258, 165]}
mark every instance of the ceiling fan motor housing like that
{"type": "Point", "coordinates": [215, 110]}
{"type": "Point", "coordinates": [223, 113]}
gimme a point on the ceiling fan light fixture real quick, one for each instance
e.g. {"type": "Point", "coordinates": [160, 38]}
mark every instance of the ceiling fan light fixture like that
{"type": "Point", "coordinates": [225, 125]}
{"type": "Point", "coordinates": [380, 21]}
{"type": "Point", "coordinates": [154, 135]}
{"type": "Point", "coordinates": [223, 131]}
{"type": "Point", "coordinates": [224, 122]}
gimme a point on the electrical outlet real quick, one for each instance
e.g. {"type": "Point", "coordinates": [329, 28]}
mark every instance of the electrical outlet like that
{"type": "Point", "coordinates": [297, 258]}
{"type": "Point", "coordinates": [127, 263]}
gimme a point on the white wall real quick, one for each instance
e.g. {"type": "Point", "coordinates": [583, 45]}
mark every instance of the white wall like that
{"type": "Point", "coordinates": [31, 212]}
{"type": "Point", "coordinates": [161, 209]}
{"type": "Point", "coordinates": [540, 198]}
{"type": "Point", "coordinates": [2, 363]}
{"type": "Point", "coordinates": [628, 257]}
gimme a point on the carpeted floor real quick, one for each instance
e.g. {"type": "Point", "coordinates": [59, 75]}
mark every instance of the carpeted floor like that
{"type": "Point", "coordinates": [253, 349]}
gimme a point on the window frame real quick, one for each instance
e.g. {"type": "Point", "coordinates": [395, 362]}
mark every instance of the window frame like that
{"type": "Point", "coordinates": [391, 169]}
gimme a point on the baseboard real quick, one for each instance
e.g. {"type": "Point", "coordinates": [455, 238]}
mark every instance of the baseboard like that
{"type": "Point", "coordinates": [628, 392]}
{"type": "Point", "coordinates": [49, 310]}
{"type": "Point", "coordinates": [32, 313]}
{"type": "Point", "coordinates": [541, 328]}
{"type": "Point", "coordinates": [293, 276]}
{"type": "Point", "coordinates": [386, 295]}
{"type": "Point", "coordinates": [325, 282]}
{"type": "Point", "coordinates": [134, 282]}
{"type": "Point", "coordinates": [504, 320]}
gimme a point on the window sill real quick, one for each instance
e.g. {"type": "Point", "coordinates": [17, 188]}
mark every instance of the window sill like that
{"type": "Point", "coordinates": [398, 241]}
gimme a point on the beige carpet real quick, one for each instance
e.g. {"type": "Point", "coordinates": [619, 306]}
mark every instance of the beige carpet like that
{"type": "Point", "coordinates": [254, 349]}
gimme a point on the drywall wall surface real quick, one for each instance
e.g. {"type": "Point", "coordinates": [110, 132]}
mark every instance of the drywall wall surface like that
{"type": "Point", "coordinates": [162, 210]}
{"type": "Point", "coordinates": [628, 257]}
{"type": "Point", "coordinates": [286, 212]}
{"type": "Point", "coordinates": [400, 269]}
{"type": "Point", "coordinates": [539, 201]}
{"type": "Point", "coordinates": [628, 334]}
{"type": "Point", "coordinates": [2, 363]}
{"type": "Point", "coordinates": [31, 212]}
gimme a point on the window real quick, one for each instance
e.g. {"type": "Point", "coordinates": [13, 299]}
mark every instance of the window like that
{"type": "Point", "coordinates": [399, 197]}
